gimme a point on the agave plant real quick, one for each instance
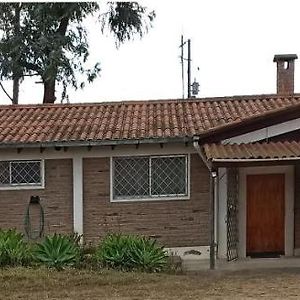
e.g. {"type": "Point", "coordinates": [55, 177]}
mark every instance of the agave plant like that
{"type": "Point", "coordinates": [131, 252]}
{"type": "Point", "coordinates": [146, 255]}
{"type": "Point", "coordinates": [13, 249]}
{"type": "Point", "coordinates": [57, 251]}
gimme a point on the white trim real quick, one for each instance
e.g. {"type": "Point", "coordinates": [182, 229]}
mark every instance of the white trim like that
{"type": "Point", "coordinates": [26, 186]}
{"type": "Point", "coordinates": [246, 160]}
{"type": "Point", "coordinates": [222, 213]}
{"type": "Point", "coordinates": [96, 151]}
{"type": "Point", "coordinates": [265, 133]}
{"type": "Point", "coordinates": [77, 195]}
{"type": "Point", "coordinates": [289, 204]}
{"type": "Point", "coordinates": [160, 198]}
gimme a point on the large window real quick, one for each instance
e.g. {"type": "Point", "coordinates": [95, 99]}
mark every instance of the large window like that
{"type": "Point", "coordinates": [150, 177]}
{"type": "Point", "coordinates": [20, 173]}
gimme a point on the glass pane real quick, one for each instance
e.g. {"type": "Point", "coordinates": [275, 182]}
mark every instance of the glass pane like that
{"type": "Point", "coordinates": [168, 176]}
{"type": "Point", "coordinates": [4, 172]}
{"type": "Point", "coordinates": [131, 177]}
{"type": "Point", "coordinates": [25, 172]}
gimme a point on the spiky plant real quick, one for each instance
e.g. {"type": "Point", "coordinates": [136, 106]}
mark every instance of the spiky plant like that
{"type": "Point", "coordinates": [14, 250]}
{"type": "Point", "coordinates": [131, 252]}
{"type": "Point", "coordinates": [57, 251]}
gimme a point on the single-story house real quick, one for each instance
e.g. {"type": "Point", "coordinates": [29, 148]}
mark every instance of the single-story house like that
{"type": "Point", "coordinates": [215, 176]}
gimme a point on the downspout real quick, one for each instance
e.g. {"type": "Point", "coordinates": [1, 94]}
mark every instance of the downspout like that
{"type": "Point", "coordinates": [212, 189]}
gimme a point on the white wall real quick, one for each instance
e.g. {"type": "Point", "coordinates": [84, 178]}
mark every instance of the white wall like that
{"type": "Point", "coordinates": [265, 133]}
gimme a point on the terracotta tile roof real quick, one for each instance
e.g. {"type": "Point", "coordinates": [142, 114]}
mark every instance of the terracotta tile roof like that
{"type": "Point", "coordinates": [287, 149]}
{"type": "Point", "coordinates": [60, 123]}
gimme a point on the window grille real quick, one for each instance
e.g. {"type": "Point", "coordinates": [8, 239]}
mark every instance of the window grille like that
{"type": "Point", "coordinates": [131, 177]}
{"type": "Point", "coordinates": [14, 173]}
{"type": "Point", "coordinates": [150, 177]}
{"type": "Point", "coordinates": [168, 176]}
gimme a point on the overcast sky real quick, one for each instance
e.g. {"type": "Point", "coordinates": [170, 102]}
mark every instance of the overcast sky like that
{"type": "Point", "coordinates": [233, 44]}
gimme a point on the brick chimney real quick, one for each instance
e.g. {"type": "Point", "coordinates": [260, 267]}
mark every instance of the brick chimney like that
{"type": "Point", "coordinates": [285, 73]}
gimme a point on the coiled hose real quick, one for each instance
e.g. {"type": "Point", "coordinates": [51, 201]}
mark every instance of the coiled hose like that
{"type": "Point", "coordinates": [33, 234]}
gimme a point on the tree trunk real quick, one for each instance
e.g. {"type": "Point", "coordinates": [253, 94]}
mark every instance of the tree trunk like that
{"type": "Point", "coordinates": [49, 84]}
{"type": "Point", "coordinates": [49, 91]}
{"type": "Point", "coordinates": [16, 70]}
{"type": "Point", "coordinates": [16, 85]}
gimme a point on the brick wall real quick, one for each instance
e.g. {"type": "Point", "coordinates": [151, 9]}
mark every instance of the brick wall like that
{"type": "Point", "coordinates": [285, 78]}
{"type": "Point", "coordinates": [297, 206]}
{"type": "Point", "coordinates": [56, 199]}
{"type": "Point", "coordinates": [174, 223]}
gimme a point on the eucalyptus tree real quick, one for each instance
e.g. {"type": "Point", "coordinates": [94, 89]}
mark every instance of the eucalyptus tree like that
{"type": "Point", "coordinates": [50, 39]}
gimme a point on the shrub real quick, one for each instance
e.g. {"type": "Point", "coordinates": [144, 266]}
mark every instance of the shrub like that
{"type": "Point", "coordinates": [131, 252]}
{"type": "Point", "coordinates": [57, 251]}
{"type": "Point", "coordinates": [14, 250]}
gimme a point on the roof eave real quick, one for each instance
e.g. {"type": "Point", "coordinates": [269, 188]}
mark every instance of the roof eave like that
{"type": "Point", "coordinates": [91, 143]}
{"type": "Point", "coordinates": [243, 162]}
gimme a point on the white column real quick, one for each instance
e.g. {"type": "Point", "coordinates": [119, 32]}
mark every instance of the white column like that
{"type": "Point", "coordinates": [222, 213]}
{"type": "Point", "coordinates": [77, 195]}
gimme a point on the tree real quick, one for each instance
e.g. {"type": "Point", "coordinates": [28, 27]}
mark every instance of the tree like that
{"type": "Point", "coordinates": [53, 39]}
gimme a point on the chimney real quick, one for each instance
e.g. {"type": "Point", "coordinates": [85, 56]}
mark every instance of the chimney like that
{"type": "Point", "coordinates": [285, 73]}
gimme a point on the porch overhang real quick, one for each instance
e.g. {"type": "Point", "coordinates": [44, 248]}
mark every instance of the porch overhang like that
{"type": "Point", "coordinates": [252, 154]}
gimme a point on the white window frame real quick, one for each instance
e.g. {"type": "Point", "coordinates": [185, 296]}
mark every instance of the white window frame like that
{"type": "Point", "coordinates": [155, 198]}
{"type": "Point", "coordinates": [25, 186]}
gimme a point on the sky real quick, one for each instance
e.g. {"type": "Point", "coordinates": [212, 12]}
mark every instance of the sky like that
{"type": "Point", "coordinates": [233, 43]}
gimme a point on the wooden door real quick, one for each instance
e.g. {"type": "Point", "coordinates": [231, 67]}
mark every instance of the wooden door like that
{"type": "Point", "coordinates": [265, 214]}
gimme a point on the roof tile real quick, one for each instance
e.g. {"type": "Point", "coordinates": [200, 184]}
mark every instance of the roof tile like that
{"type": "Point", "coordinates": [264, 150]}
{"type": "Point", "coordinates": [131, 120]}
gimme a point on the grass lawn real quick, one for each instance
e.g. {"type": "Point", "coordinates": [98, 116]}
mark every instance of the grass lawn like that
{"type": "Point", "coordinates": [23, 283]}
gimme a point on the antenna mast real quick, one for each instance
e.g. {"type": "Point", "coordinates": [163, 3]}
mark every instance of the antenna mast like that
{"type": "Point", "coordinates": [191, 88]}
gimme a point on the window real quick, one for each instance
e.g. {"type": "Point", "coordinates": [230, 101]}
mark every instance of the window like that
{"type": "Point", "coordinates": [149, 177]}
{"type": "Point", "coordinates": [20, 173]}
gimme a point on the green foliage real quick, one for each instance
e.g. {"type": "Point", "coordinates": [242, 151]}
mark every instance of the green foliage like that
{"type": "Point", "coordinates": [131, 252]}
{"type": "Point", "coordinates": [57, 251]}
{"type": "Point", "coordinates": [76, 238]}
{"type": "Point", "coordinates": [49, 39]}
{"type": "Point", "coordinates": [14, 250]}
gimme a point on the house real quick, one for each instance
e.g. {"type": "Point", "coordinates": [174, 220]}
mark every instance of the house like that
{"type": "Point", "coordinates": [217, 177]}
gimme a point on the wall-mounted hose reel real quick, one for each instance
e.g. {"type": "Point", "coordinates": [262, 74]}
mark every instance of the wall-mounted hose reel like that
{"type": "Point", "coordinates": [34, 231]}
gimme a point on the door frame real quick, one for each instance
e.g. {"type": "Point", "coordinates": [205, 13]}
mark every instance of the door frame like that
{"type": "Point", "coordinates": [288, 171]}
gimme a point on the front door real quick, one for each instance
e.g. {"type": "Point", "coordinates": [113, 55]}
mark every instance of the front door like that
{"type": "Point", "coordinates": [265, 215]}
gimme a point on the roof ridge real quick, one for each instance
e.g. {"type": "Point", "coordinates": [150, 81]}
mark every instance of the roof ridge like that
{"type": "Point", "coordinates": [142, 102]}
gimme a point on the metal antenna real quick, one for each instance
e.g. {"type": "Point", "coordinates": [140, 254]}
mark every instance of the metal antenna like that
{"type": "Point", "coordinates": [188, 59]}
{"type": "Point", "coordinates": [182, 65]}
{"type": "Point", "coordinates": [189, 69]}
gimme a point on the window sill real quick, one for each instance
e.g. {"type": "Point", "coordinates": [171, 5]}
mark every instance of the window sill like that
{"type": "Point", "coordinates": [147, 200]}
{"type": "Point", "coordinates": [20, 187]}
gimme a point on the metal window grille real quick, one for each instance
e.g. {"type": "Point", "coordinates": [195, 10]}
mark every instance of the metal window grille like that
{"type": "Point", "coordinates": [149, 177]}
{"type": "Point", "coordinates": [20, 173]}
{"type": "Point", "coordinates": [131, 177]}
{"type": "Point", "coordinates": [4, 173]}
{"type": "Point", "coordinates": [168, 176]}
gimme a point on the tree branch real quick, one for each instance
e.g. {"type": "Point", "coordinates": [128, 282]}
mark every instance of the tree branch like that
{"type": "Point", "coordinates": [6, 93]}
{"type": "Point", "coordinates": [30, 75]}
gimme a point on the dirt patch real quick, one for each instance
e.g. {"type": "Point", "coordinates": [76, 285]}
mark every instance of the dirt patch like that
{"type": "Point", "coordinates": [21, 283]}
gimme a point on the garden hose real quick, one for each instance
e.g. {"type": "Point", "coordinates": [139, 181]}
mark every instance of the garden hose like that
{"type": "Point", "coordinates": [30, 233]}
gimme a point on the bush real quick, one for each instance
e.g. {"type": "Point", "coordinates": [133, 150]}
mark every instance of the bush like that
{"type": "Point", "coordinates": [57, 251]}
{"type": "Point", "coordinates": [130, 252]}
{"type": "Point", "coordinates": [14, 250]}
